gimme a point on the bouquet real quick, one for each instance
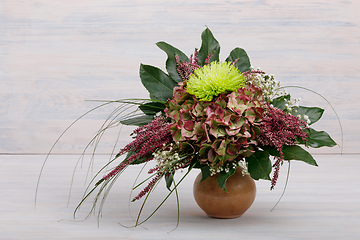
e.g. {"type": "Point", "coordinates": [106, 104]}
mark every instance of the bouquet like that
{"type": "Point", "coordinates": [212, 115]}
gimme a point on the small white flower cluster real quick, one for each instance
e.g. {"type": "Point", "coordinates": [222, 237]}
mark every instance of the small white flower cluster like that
{"type": "Point", "coordinates": [290, 104]}
{"type": "Point", "coordinates": [289, 107]}
{"type": "Point", "coordinates": [305, 118]}
{"type": "Point", "coordinates": [269, 85]}
{"type": "Point", "coordinates": [214, 169]}
{"type": "Point", "coordinates": [168, 158]}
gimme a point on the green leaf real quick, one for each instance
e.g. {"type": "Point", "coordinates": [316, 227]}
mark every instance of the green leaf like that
{"type": "Point", "coordinates": [293, 152]}
{"type": "Point", "coordinates": [169, 180]}
{"type": "Point", "coordinates": [170, 62]}
{"type": "Point", "coordinates": [208, 45]}
{"type": "Point", "coordinates": [280, 102]}
{"type": "Point", "coordinates": [223, 177]}
{"type": "Point", "coordinates": [158, 83]}
{"type": "Point", "coordinates": [152, 108]}
{"type": "Point", "coordinates": [137, 121]}
{"type": "Point", "coordinates": [205, 172]}
{"type": "Point", "coordinates": [197, 164]}
{"type": "Point", "coordinates": [314, 113]}
{"type": "Point", "coordinates": [243, 64]}
{"type": "Point", "coordinates": [298, 153]}
{"type": "Point", "coordinates": [317, 139]}
{"type": "Point", "coordinates": [259, 165]}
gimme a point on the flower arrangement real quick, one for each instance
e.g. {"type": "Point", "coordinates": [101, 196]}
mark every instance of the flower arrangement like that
{"type": "Point", "coordinates": [215, 116]}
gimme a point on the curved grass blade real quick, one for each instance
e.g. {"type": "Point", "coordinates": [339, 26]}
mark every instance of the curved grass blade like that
{"type": "Point", "coordinates": [337, 116]}
{"type": "Point", "coordinates": [132, 189]}
{"type": "Point", "coordinates": [286, 183]}
{"type": "Point", "coordinates": [177, 202]}
{"type": "Point", "coordinates": [96, 139]}
{"type": "Point", "coordinates": [58, 139]}
{"type": "Point", "coordinates": [157, 208]}
{"type": "Point", "coordinates": [106, 102]}
{"type": "Point", "coordinates": [145, 200]}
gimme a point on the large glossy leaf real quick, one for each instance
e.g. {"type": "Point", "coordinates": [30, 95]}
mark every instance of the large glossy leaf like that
{"type": "Point", "coordinates": [317, 139]}
{"type": "Point", "coordinates": [208, 45]}
{"type": "Point", "coordinates": [137, 121]}
{"type": "Point", "coordinates": [259, 165]}
{"type": "Point", "coordinates": [293, 152]}
{"type": "Point", "coordinates": [243, 64]}
{"type": "Point", "coordinates": [280, 102]}
{"type": "Point", "coordinates": [152, 108]}
{"type": "Point", "coordinates": [205, 172]}
{"type": "Point", "coordinates": [223, 177]}
{"type": "Point", "coordinates": [158, 83]}
{"type": "Point", "coordinates": [314, 113]}
{"type": "Point", "coordinates": [170, 62]}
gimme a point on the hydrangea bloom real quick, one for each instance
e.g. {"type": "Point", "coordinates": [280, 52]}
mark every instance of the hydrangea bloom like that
{"type": "Point", "coordinates": [221, 130]}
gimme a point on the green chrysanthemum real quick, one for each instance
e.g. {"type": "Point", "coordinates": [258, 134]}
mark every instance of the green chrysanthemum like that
{"type": "Point", "coordinates": [214, 79]}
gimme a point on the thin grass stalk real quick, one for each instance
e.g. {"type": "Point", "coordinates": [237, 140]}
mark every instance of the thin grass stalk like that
{"type": "Point", "coordinates": [145, 200]}
{"type": "Point", "coordinates": [132, 189]}
{"type": "Point", "coordinates": [128, 101]}
{"type": "Point", "coordinates": [177, 203]}
{"type": "Point", "coordinates": [144, 181]}
{"type": "Point", "coordinates": [105, 166]}
{"type": "Point", "coordinates": [106, 193]}
{"type": "Point", "coordinates": [337, 116]}
{"type": "Point", "coordinates": [56, 141]}
{"type": "Point", "coordinates": [80, 160]}
{"type": "Point", "coordinates": [100, 132]}
{"type": "Point", "coordinates": [286, 183]}
{"type": "Point", "coordinates": [157, 208]}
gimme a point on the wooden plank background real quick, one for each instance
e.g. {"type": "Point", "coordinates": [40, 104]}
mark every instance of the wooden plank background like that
{"type": "Point", "coordinates": [56, 54]}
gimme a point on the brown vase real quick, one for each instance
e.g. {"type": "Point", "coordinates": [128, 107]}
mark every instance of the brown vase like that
{"type": "Point", "coordinates": [217, 203]}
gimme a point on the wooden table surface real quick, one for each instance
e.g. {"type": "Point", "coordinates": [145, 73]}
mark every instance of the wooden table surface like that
{"type": "Point", "coordinates": [319, 203]}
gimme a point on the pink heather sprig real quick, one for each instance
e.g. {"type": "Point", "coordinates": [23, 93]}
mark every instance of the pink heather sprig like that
{"type": "Point", "coordinates": [148, 138]}
{"type": "Point", "coordinates": [193, 60]}
{"type": "Point", "coordinates": [185, 69]}
{"type": "Point", "coordinates": [234, 62]}
{"type": "Point", "coordinates": [276, 172]}
{"type": "Point", "coordinates": [279, 129]}
{"type": "Point", "coordinates": [208, 59]}
{"type": "Point", "coordinates": [161, 171]}
{"type": "Point", "coordinates": [148, 187]}
{"type": "Point", "coordinates": [253, 72]}
{"type": "Point", "coordinates": [154, 169]}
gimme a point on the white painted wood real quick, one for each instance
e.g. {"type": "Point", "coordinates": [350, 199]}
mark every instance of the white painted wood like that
{"type": "Point", "coordinates": [319, 203]}
{"type": "Point", "coordinates": [54, 55]}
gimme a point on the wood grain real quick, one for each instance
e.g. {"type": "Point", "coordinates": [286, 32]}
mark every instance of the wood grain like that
{"type": "Point", "coordinates": [54, 55]}
{"type": "Point", "coordinates": [319, 203]}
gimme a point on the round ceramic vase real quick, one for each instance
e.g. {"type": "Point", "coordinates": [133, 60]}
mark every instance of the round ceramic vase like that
{"type": "Point", "coordinates": [217, 203]}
